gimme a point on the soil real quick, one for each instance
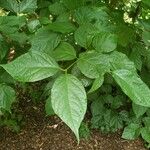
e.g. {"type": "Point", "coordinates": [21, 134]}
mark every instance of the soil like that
{"type": "Point", "coordinates": [50, 133]}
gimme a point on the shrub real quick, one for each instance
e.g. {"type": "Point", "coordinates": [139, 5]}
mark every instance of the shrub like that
{"type": "Point", "coordinates": [81, 48]}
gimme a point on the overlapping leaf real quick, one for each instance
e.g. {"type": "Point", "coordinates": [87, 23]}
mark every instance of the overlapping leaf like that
{"type": "Point", "coordinates": [32, 67]}
{"type": "Point", "coordinates": [71, 105]}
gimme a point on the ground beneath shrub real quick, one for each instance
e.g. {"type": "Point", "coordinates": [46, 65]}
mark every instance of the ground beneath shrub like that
{"type": "Point", "coordinates": [40, 133]}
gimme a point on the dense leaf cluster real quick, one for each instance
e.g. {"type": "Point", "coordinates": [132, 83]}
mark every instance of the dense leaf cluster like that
{"type": "Point", "coordinates": [90, 52]}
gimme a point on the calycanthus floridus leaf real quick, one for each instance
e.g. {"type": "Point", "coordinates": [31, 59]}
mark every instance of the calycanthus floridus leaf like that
{"type": "Point", "coordinates": [45, 40]}
{"type": "Point", "coordinates": [105, 42]}
{"type": "Point", "coordinates": [7, 97]}
{"type": "Point", "coordinates": [69, 101]}
{"type": "Point", "coordinates": [97, 83]}
{"type": "Point", "coordinates": [133, 86]}
{"type": "Point", "coordinates": [64, 51]}
{"type": "Point", "coordinates": [31, 67]}
{"type": "Point", "coordinates": [92, 64]}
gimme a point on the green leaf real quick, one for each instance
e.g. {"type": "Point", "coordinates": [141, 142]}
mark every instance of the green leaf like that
{"type": "Point", "coordinates": [57, 8]}
{"type": "Point", "coordinates": [146, 37]}
{"type": "Point", "coordinates": [3, 48]}
{"type": "Point", "coordinates": [62, 27]}
{"type": "Point", "coordinates": [94, 15]}
{"type": "Point", "coordinates": [133, 86]}
{"type": "Point", "coordinates": [33, 25]}
{"type": "Point", "coordinates": [145, 133]}
{"type": "Point", "coordinates": [125, 34]}
{"type": "Point", "coordinates": [48, 107]}
{"type": "Point", "coordinates": [7, 97]}
{"type": "Point", "coordinates": [11, 24]}
{"type": "Point", "coordinates": [44, 40]}
{"type": "Point", "coordinates": [131, 132]}
{"type": "Point", "coordinates": [105, 42]}
{"type": "Point", "coordinates": [27, 6]}
{"type": "Point", "coordinates": [119, 60]}
{"type": "Point", "coordinates": [84, 35]}
{"type": "Point", "coordinates": [146, 120]}
{"type": "Point", "coordinates": [11, 5]}
{"type": "Point", "coordinates": [5, 77]}
{"type": "Point", "coordinates": [136, 55]}
{"type": "Point", "coordinates": [138, 110]}
{"type": "Point", "coordinates": [93, 64]}
{"type": "Point", "coordinates": [97, 83]}
{"type": "Point", "coordinates": [70, 4]}
{"type": "Point", "coordinates": [146, 3]}
{"type": "Point", "coordinates": [32, 67]}
{"type": "Point", "coordinates": [72, 104]}
{"type": "Point", "coordinates": [64, 51]}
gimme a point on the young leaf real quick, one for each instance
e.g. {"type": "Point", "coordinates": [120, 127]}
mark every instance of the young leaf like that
{"type": "Point", "coordinates": [72, 104]}
{"type": "Point", "coordinates": [32, 67]}
{"type": "Point", "coordinates": [48, 107]}
{"type": "Point", "coordinates": [105, 42]}
{"type": "Point", "coordinates": [138, 110]}
{"type": "Point", "coordinates": [92, 64]}
{"type": "Point", "coordinates": [7, 97]}
{"type": "Point", "coordinates": [133, 86]}
{"type": "Point", "coordinates": [145, 133]}
{"type": "Point", "coordinates": [131, 132]}
{"type": "Point", "coordinates": [97, 83]}
{"type": "Point", "coordinates": [64, 51]}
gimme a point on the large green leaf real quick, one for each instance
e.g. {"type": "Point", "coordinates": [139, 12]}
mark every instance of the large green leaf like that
{"type": "Point", "coordinates": [32, 67]}
{"type": "Point", "coordinates": [72, 104]}
{"type": "Point", "coordinates": [133, 86]}
{"type": "Point", "coordinates": [7, 97]}
{"type": "Point", "coordinates": [64, 51]}
{"type": "Point", "coordinates": [93, 64]}
{"type": "Point", "coordinates": [44, 40]}
{"type": "Point", "coordinates": [105, 42]}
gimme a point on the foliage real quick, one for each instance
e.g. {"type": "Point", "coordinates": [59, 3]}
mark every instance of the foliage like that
{"type": "Point", "coordinates": [87, 51]}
